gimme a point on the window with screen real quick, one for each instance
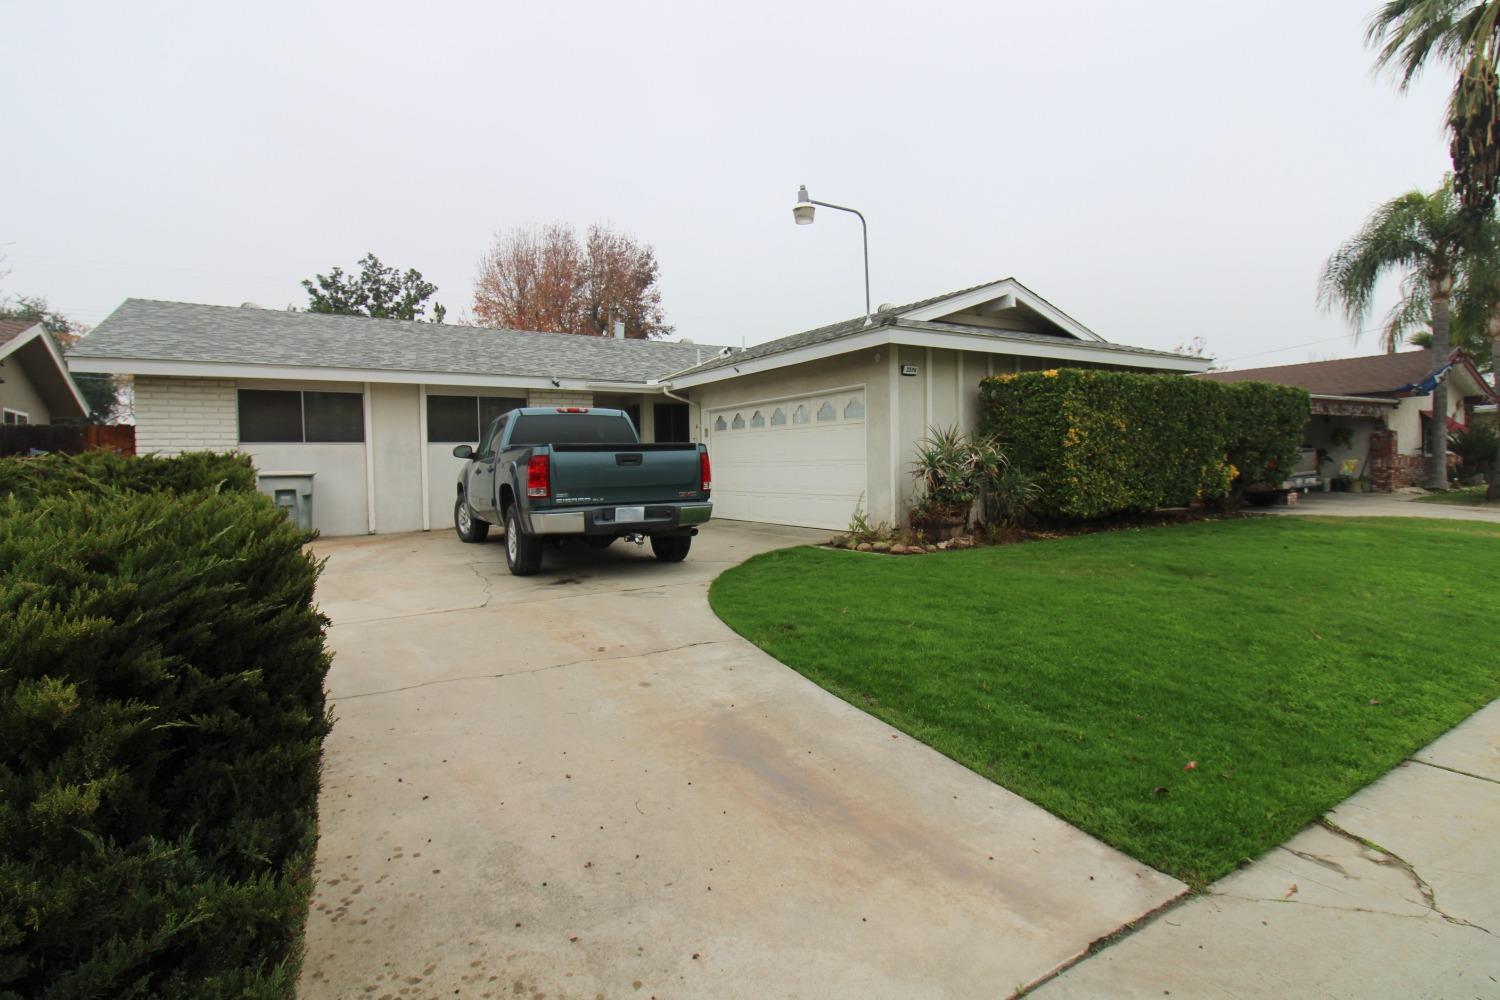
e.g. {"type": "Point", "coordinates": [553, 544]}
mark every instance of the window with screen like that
{"type": "Point", "coordinates": [288, 416]}
{"type": "Point", "coordinates": [333, 417]}
{"type": "Point", "coordinates": [461, 419]}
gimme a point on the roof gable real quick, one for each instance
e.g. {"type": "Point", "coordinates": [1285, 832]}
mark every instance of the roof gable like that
{"type": "Point", "coordinates": [1002, 305]}
{"type": "Point", "coordinates": [27, 343]}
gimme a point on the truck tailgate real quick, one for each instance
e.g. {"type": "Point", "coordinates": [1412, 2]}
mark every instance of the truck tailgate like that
{"type": "Point", "coordinates": [626, 474]}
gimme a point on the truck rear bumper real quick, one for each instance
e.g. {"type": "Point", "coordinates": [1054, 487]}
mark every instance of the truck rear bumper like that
{"type": "Point", "coordinates": [659, 518]}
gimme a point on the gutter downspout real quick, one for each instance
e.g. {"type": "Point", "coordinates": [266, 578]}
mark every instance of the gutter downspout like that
{"type": "Point", "coordinates": [689, 403]}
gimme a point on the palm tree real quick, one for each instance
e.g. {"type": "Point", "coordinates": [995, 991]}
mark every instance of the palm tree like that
{"type": "Point", "coordinates": [1426, 237]}
{"type": "Point", "coordinates": [1475, 308]}
{"type": "Point", "coordinates": [1466, 35]}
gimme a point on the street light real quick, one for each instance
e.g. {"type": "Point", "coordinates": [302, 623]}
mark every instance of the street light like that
{"type": "Point", "coordinates": [803, 211]}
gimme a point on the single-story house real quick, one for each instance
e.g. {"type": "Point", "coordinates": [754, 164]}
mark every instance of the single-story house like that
{"type": "Point", "coordinates": [35, 385]}
{"type": "Point", "coordinates": [1370, 414]}
{"type": "Point", "coordinates": [801, 429]}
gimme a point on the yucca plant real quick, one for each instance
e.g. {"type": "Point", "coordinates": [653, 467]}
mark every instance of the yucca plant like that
{"type": "Point", "coordinates": [946, 469]}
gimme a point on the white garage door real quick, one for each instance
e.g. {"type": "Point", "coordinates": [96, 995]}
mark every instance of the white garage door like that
{"type": "Point", "coordinates": [798, 460]}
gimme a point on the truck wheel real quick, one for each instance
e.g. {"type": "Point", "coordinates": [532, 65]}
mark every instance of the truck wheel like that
{"type": "Point", "coordinates": [468, 525]}
{"type": "Point", "coordinates": [523, 554]}
{"type": "Point", "coordinates": [671, 548]}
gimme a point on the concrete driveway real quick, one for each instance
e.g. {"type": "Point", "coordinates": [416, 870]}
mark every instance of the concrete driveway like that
{"type": "Point", "coordinates": [583, 784]}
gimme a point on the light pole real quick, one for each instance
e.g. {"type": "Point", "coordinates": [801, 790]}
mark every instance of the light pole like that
{"type": "Point", "coordinates": [803, 213]}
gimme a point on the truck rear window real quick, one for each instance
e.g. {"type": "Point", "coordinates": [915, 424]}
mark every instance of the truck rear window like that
{"type": "Point", "coordinates": [571, 428]}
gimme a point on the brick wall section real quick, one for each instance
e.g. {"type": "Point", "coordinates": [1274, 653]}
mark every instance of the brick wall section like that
{"type": "Point", "coordinates": [554, 397]}
{"type": "Point", "coordinates": [174, 415]}
{"type": "Point", "coordinates": [1391, 471]}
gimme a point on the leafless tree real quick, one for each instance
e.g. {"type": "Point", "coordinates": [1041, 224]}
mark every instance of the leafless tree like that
{"type": "Point", "coordinates": [547, 279]}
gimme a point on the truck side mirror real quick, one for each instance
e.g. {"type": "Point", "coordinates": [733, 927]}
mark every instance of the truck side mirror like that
{"type": "Point", "coordinates": [463, 451]}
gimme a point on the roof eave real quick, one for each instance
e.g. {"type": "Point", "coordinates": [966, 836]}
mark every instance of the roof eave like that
{"type": "Point", "coordinates": [919, 334]}
{"type": "Point", "coordinates": [309, 373]}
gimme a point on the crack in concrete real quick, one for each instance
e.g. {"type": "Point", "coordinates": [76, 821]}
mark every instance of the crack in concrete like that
{"type": "Point", "coordinates": [520, 673]}
{"type": "Point", "coordinates": [1454, 770]}
{"type": "Point", "coordinates": [1423, 887]}
{"type": "Point", "coordinates": [1318, 859]}
{"type": "Point", "coordinates": [1338, 909]}
{"type": "Point", "coordinates": [1114, 937]}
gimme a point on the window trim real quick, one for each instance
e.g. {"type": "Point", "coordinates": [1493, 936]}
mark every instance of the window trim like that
{"type": "Point", "coordinates": [23, 417]}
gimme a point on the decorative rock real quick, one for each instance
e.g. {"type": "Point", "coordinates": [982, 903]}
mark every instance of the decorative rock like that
{"type": "Point", "coordinates": [864, 547]}
{"type": "Point", "coordinates": [898, 550]}
{"type": "Point", "coordinates": [948, 544]}
{"type": "Point", "coordinates": [881, 546]}
{"type": "Point", "coordinates": [931, 547]}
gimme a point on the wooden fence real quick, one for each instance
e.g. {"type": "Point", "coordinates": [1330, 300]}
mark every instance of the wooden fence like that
{"type": "Point", "coordinates": [29, 439]}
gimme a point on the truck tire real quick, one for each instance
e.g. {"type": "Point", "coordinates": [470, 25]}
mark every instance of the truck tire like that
{"type": "Point", "coordinates": [468, 525]}
{"type": "Point", "coordinates": [523, 554]}
{"type": "Point", "coordinates": [671, 548]}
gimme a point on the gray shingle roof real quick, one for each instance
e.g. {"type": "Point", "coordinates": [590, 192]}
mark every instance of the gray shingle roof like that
{"type": "Point", "coordinates": [150, 330]}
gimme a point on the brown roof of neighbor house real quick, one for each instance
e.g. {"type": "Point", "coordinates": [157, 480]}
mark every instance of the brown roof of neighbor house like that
{"type": "Point", "coordinates": [11, 328]}
{"type": "Point", "coordinates": [1377, 375]}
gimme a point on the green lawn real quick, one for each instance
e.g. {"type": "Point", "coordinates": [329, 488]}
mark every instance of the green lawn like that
{"type": "Point", "coordinates": [1468, 496]}
{"type": "Point", "coordinates": [1294, 659]}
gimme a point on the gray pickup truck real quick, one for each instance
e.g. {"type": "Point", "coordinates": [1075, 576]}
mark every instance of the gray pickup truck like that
{"type": "Point", "coordinates": [552, 473]}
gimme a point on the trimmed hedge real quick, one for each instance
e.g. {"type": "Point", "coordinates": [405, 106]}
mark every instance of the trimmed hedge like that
{"type": "Point", "coordinates": [93, 471]}
{"type": "Point", "coordinates": [161, 723]}
{"type": "Point", "coordinates": [1102, 442]}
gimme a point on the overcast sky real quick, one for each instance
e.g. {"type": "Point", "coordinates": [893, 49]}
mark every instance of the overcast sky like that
{"type": "Point", "coordinates": [1159, 171]}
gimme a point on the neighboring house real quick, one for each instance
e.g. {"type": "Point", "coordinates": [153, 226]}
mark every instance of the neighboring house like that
{"type": "Point", "coordinates": [800, 429]}
{"type": "Point", "coordinates": [35, 385]}
{"type": "Point", "coordinates": [1370, 414]}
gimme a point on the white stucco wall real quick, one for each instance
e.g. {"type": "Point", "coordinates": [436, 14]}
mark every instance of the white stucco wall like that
{"type": "Point", "coordinates": [397, 446]}
{"type": "Point", "coordinates": [1406, 421]}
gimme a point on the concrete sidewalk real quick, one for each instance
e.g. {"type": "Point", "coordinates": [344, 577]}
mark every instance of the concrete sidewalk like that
{"type": "Point", "coordinates": [1396, 895]}
{"type": "Point", "coordinates": [1381, 505]}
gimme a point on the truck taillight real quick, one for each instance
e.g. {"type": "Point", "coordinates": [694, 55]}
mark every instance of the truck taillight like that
{"type": "Point", "coordinates": [572, 409]}
{"type": "Point", "coordinates": [705, 471]}
{"type": "Point", "coordinates": [539, 476]}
